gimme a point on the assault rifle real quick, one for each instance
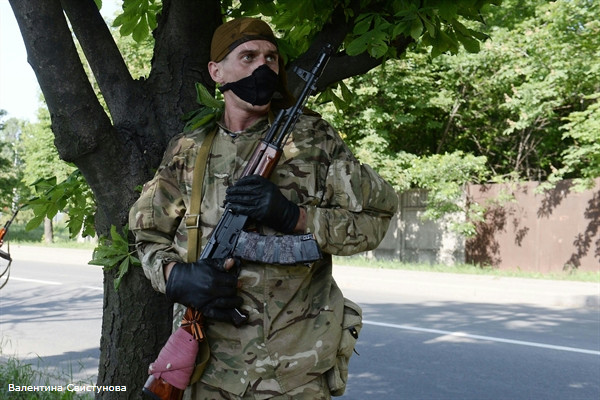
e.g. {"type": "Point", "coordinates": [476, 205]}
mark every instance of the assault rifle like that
{"type": "Point", "coordinates": [222, 243]}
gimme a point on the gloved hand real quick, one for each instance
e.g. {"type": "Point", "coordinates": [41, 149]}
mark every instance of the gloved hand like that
{"type": "Point", "coordinates": [206, 286]}
{"type": "Point", "coordinates": [261, 200]}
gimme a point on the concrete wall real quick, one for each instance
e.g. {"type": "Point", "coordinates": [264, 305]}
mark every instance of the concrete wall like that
{"type": "Point", "coordinates": [412, 239]}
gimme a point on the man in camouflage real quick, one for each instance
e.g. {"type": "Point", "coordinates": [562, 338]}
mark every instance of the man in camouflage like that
{"type": "Point", "coordinates": [290, 347]}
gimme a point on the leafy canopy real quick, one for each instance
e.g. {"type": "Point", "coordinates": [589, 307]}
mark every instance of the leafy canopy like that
{"type": "Point", "coordinates": [440, 25]}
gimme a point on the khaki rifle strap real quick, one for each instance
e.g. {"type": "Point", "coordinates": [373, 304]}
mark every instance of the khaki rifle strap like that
{"type": "Point", "coordinates": [192, 218]}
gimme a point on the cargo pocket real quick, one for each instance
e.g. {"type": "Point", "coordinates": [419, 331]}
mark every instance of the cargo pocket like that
{"type": "Point", "coordinates": [351, 325]}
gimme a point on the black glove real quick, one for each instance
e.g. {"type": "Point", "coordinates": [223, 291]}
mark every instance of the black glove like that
{"type": "Point", "coordinates": [206, 286]}
{"type": "Point", "coordinates": [261, 200]}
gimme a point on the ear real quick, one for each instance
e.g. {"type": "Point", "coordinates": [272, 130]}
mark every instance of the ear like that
{"type": "Point", "coordinates": [214, 69]}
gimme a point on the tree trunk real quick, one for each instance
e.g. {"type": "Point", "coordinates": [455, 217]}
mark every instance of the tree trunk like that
{"type": "Point", "coordinates": [134, 329]}
{"type": "Point", "coordinates": [48, 231]}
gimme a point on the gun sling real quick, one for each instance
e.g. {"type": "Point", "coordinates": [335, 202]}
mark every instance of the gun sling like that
{"type": "Point", "coordinates": [192, 218]}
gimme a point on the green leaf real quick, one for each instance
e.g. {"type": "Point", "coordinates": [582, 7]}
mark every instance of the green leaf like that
{"type": "Point", "coordinates": [72, 196]}
{"type": "Point", "coordinates": [465, 37]}
{"type": "Point", "coordinates": [339, 103]}
{"type": "Point", "coordinates": [34, 222]}
{"type": "Point", "coordinates": [429, 26]}
{"type": "Point", "coordinates": [115, 253]}
{"type": "Point", "coordinates": [128, 27]}
{"type": "Point", "coordinates": [358, 45]}
{"type": "Point", "coordinates": [123, 269]}
{"type": "Point", "coordinates": [152, 24]}
{"type": "Point", "coordinates": [346, 93]}
{"type": "Point", "coordinates": [204, 97]}
{"type": "Point", "coordinates": [363, 24]}
{"type": "Point", "coordinates": [470, 44]}
{"type": "Point", "coordinates": [120, 20]}
{"type": "Point", "coordinates": [141, 30]}
{"type": "Point", "coordinates": [416, 28]}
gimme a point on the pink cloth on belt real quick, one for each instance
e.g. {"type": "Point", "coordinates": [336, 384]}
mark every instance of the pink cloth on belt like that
{"type": "Point", "coordinates": [176, 361]}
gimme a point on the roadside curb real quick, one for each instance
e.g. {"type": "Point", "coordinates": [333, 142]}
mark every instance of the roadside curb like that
{"type": "Point", "coordinates": [470, 288]}
{"type": "Point", "coordinates": [50, 254]}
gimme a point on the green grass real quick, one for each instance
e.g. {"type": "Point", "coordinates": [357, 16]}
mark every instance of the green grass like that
{"type": "Point", "coordinates": [20, 374]}
{"type": "Point", "coordinates": [570, 275]}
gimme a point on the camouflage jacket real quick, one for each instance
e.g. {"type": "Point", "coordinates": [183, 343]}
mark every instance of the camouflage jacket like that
{"type": "Point", "coordinates": [295, 311]}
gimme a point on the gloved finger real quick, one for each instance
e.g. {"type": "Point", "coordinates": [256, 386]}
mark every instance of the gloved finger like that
{"type": "Point", "coordinates": [222, 314]}
{"type": "Point", "coordinates": [223, 275]}
{"type": "Point", "coordinates": [219, 265]}
{"type": "Point", "coordinates": [252, 180]}
{"type": "Point", "coordinates": [232, 265]}
{"type": "Point", "coordinates": [227, 302]}
{"type": "Point", "coordinates": [247, 199]}
{"type": "Point", "coordinates": [228, 264]}
{"type": "Point", "coordinates": [218, 314]}
{"type": "Point", "coordinates": [242, 209]}
{"type": "Point", "coordinates": [248, 185]}
{"type": "Point", "coordinates": [219, 291]}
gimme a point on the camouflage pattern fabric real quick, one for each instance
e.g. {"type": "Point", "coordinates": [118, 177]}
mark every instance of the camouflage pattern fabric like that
{"type": "Point", "coordinates": [313, 390]}
{"type": "Point", "coordinates": [295, 312]}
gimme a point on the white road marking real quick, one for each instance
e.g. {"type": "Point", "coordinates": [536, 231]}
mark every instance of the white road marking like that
{"type": "Point", "coordinates": [13, 278]}
{"type": "Point", "coordinates": [488, 338]}
{"type": "Point", "coordinates": [51, 283]}
{"type": "Point", "coordinates": [93, 288]}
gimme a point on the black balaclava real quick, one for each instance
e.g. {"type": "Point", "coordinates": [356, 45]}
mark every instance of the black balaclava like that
{"type": "Point", "coordinates": [256, 89]}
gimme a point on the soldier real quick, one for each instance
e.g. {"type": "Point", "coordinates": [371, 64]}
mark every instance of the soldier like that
{"type": "Point", "coordinates": [294, 344]}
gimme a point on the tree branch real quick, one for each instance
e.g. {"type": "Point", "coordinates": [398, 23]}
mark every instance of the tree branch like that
{"type": "Point", "coordinates": [181, 55]}
{"type": "Point", "coordinates": [341, 65]}
{"type": "Point", "coordinates": [103, 56]}
{"type": "Point", "coordinates": [82, 130]}
{"type": "Point", "coordinates": [53, 57]}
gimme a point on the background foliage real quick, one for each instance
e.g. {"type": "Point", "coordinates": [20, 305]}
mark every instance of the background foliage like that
{"type": "Point", "coordinates": [456, 108]}
{"type": "Point", "coordinates": [520, 102]}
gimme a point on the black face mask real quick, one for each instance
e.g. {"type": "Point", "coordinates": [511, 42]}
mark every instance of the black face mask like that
{"type": "Point", "coordinates": [257, 89]}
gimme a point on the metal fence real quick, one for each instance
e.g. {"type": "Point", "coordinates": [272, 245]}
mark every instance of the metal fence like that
{"type": "Point", "coordinates": [555, 230]}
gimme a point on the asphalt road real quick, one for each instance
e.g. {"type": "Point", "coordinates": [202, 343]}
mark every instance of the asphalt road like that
{"type": "Point", "coordinates": [425, 336]}
{"type": "Point", "coordinates": [457, 337]}
{"type": "Point", "coordinates": [51, 312]}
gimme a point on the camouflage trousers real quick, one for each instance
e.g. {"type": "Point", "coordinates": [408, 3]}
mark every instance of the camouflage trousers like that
{"type": "Point", "coordinates": [316, 389]}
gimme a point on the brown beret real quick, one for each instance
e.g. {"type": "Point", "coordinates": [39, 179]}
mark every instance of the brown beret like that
{"type": "Point", "coordinates": [235, 32]}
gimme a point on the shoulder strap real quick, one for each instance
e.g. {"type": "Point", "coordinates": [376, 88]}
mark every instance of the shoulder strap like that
{"type": "Point", "coordinates": [192, 218]}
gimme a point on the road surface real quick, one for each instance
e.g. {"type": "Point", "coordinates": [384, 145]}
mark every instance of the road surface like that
{"type": "Point", "coordinates": [425, 335]}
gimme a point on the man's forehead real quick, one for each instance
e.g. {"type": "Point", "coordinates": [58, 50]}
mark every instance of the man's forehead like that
{"type": "Point", "coordinates": [255, 45]}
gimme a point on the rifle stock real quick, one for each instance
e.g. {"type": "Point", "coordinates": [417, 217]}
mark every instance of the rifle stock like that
{"type": "Point", "coordinates": [223, 239]}
{"type": "Point", "coordinates": [159, 389]}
